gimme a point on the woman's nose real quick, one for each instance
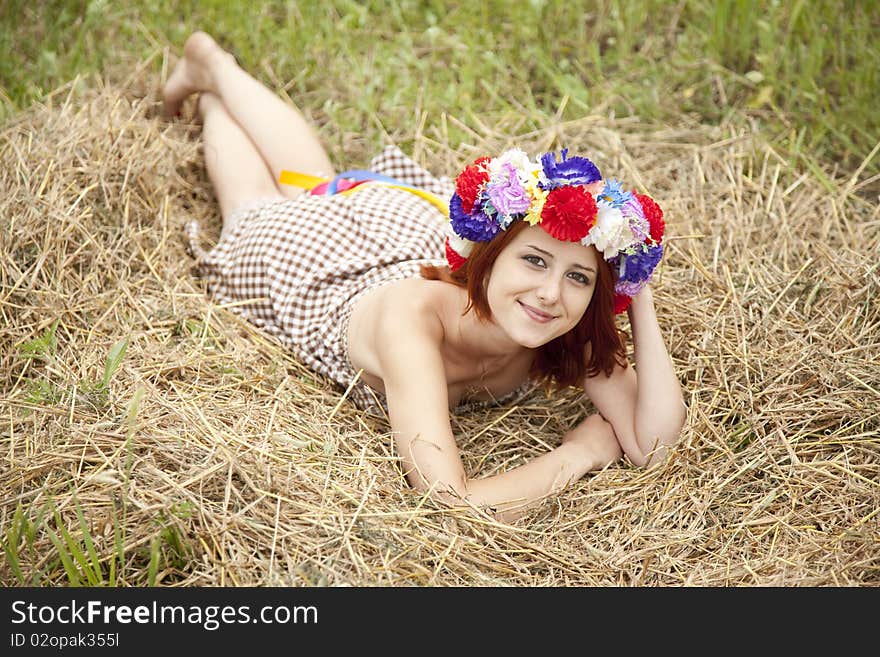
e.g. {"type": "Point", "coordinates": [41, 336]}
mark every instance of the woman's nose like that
{"type": "Point", "coordinates": [548, 291]}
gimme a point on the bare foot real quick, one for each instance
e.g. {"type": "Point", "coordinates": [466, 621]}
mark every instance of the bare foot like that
{"type": "Point", "coordinates": [193, 73]}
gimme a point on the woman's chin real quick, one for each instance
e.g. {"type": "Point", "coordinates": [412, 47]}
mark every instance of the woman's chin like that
{"type": "Point", "coordinates": [530, 335]}
{"type": "Point", "coordinates": [532, 341]}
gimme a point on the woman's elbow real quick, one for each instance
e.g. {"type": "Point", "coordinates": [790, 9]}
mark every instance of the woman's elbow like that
{"type": "Point", "coordinates": [448, 493]}
{"type": "Point", "coordinates": [678, 421]}
{"type": "Point", "coordinates": [657, 441]}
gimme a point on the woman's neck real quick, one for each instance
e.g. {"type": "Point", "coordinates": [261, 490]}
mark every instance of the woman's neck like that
{"type": "Point", "coordinates": [478, 339]}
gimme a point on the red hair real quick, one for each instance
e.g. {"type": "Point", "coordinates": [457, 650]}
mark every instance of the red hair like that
{"type": "Point", "coordinates": [564, 361]}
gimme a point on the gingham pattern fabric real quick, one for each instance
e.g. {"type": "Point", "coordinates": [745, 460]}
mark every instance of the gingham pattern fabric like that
{"type": "Point", "coordinates": [297, 266]}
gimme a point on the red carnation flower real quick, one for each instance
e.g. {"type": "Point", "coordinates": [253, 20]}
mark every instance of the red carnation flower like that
{"type": "Point", "coordinates": [569, 213]}
{"type": "Point", "coordinates": [454, 259]}
{"type": "Point", "coordinates": [654, 215]}
{"type": "Point", "coordinates": [470, 181]}
{"type": "Point", "coordinates": [621, 303]}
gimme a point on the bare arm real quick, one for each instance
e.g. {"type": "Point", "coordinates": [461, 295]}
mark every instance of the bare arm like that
{"type": "Point", "coordinates": [416, 390]}
{"type": "Point", "coordinates": [646, 410]}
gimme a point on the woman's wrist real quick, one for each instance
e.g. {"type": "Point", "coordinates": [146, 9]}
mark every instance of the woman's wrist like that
{"type": "Point", "coordinates": [578, 459]}
{"type": "Point", "coordinates": [642, 304]}
{"type": "Point", "coordinates": [644, 297]}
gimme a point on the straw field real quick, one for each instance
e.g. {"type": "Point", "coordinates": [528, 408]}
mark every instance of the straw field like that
{"type": "Point", "coordinates": [150, 436]}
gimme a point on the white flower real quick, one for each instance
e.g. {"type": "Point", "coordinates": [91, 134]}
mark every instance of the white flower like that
{"type": "Point", "coordinates": [612, 233]}
{"type": "Point", "coordinates": [460, 245]}
{"type": "Point", "coordinates": [526, 169]}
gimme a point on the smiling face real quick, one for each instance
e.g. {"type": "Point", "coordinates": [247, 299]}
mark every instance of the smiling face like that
{"type": "Point", "coordinates": [539, 287]}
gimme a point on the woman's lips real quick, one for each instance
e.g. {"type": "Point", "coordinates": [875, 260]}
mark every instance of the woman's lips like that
{"type": "Point", "coordinates": [535, 314]}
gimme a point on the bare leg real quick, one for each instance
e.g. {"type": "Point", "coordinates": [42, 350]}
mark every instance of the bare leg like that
{"type": "Point", "coordinates": [235, 166]}
{"type": "Point", "coordinates": [281, 134]}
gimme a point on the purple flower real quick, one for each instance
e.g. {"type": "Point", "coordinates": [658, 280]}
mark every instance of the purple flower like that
{"type": "Point", "coordinates": [629, 289]}
{"type": "Point", "coordinates": [474, 226]}
{"type": "Point", "coordinates": [639, 266]}
{"type": "Point", "coordinates": [568, 171]}
{"type": "Point", "coordinates": [507, 194]}
{"type": "Point", "coordinates": [635, 216]}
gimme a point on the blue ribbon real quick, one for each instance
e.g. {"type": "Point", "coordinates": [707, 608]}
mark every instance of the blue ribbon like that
{"type": "Point", "coordinates": [362, 174]}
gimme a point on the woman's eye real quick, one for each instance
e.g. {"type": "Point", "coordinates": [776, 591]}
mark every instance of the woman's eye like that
{"type": "Point", "coordinates": [535, 260]}
{"type": "Point", "coordinates": [580, 278]}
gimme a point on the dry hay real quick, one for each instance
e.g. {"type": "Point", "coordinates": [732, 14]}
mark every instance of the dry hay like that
{"type": "Point", "coordinates": [214, 451]}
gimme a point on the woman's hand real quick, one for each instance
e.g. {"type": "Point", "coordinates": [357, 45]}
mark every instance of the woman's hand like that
{"type": "Point", "coordinates": [647, 411]}
{"type": "Point", "coordinates": [595, 440]}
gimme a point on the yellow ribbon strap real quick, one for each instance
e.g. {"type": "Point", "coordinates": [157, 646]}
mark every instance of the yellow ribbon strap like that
{"type": "Point", "coordinates": [297, 179]}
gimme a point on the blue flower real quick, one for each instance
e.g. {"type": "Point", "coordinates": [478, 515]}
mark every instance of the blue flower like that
{"type": "Point", "coordinates": [568, 171]}
{"type": "Point", "coordinates": [475, 226]}
{"type": "Point", "coordinates": [614, 194]}
{"type": "Point", "coordinates": [640, 265]}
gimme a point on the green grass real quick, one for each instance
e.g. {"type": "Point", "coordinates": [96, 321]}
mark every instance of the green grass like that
{"type": "Point", "coordinates": [73, 559]}
{"type": "Point", "coordinates": [42, 390]}
{"type": "Point", "coordinates": [807, 70]}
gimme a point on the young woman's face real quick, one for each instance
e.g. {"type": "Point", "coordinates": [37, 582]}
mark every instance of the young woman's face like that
{"type": "Point", "coordinates": [539, 287]}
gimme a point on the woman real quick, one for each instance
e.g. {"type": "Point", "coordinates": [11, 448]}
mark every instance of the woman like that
{"type": "Point", "coordinates": [356, 284]}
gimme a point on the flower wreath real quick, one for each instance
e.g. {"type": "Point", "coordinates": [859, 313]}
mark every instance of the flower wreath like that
{"type": "Point", "coordinates": [569, 200]}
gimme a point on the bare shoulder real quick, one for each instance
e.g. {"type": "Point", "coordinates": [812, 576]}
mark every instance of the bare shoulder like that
{"type": "Point", "coordinates": [397, 318]}
{"type": "Point", "coordinates": [411, 304]}
{"type": "Point", "coordinates": [411, 293]}
{"type": "Point", "coordinates": [406, 349]}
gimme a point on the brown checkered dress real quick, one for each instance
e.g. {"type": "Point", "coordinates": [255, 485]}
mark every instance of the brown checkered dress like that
{"type": "Point", "coordinates": [300, 265]}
